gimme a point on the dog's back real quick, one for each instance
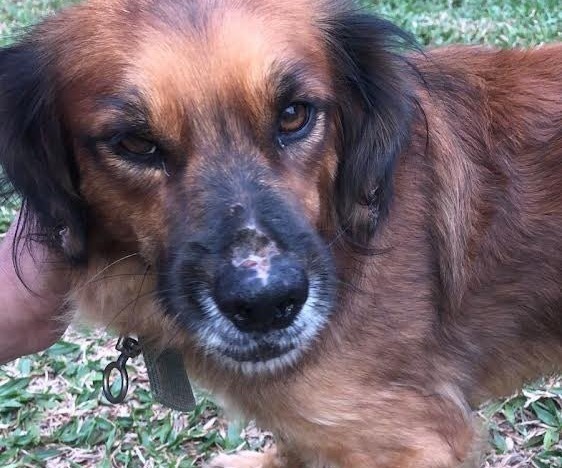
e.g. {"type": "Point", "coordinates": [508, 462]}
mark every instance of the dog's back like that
{"type": "Point", "coordinates": [494, 142]}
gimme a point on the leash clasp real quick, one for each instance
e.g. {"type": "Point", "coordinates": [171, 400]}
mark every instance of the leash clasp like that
{"type": "Point", "coordinates": [129, 348]}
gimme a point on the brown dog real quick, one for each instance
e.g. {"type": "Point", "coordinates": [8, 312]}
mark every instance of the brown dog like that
{"type": "Point", "coordinates": [351, 244]}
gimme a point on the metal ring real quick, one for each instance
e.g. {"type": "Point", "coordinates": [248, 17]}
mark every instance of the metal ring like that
{"type": "Point", "coordinates": [107, 384]}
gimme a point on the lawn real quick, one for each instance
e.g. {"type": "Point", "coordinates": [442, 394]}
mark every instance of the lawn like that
{"type": "Point", "coordinates": [51, 410]}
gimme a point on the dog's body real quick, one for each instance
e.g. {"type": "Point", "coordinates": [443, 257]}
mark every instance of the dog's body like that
{"type": "Point", "coordinates": [458, 296]}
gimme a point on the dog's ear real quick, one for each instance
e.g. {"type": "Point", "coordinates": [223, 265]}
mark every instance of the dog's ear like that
{"type": "Point", "coordinates": [374, 115]}
{"type": "Point", "coordinates": [35, 153]}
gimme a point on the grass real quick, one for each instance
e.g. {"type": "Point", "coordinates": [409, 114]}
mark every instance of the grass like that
{"type": "Point", "coordinates": [17, 14]}
{"type": "Point", "coordinates": [503, 23]}
{"type": "Point", "coordinates": [52, 413]}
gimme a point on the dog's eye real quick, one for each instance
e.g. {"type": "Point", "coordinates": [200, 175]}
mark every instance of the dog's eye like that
{"type": "Point", "coordinates": [136, 150]}
{"type": "Point", "coordinates": [294, 118]}
{"type": "Point", "coordinates": [137, 146]}
{"type": "Point", "coordinates": [295, 122]}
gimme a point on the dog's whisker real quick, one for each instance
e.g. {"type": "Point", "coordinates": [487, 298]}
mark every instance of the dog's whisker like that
{"type": "Point", "coordinates": [120, 276]}
{"type": "Point", "coordinates": [340, 231]}
{"type": "Point", "coordinates": [104, 269]}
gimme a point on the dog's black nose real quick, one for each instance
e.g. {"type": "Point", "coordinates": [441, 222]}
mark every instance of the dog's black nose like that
{"type": "Point", "coordinates": [261, 289]}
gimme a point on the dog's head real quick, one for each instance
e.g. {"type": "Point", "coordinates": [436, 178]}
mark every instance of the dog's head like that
{"type": "Point", "coordinates": [230, 143]}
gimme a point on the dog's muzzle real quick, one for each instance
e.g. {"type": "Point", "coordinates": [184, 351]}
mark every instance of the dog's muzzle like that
{"type": "Point", "coordinates": [249, 278]}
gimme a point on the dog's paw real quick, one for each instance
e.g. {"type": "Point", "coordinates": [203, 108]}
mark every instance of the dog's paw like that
{"type": "Point", "coordinates": [245, 459]}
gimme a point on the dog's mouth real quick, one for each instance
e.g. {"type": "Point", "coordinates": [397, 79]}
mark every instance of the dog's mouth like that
{"type": "Point", "coordinates": [261, 352]}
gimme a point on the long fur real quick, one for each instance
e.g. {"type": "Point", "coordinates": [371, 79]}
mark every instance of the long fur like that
{"type": "Point", "coordinates": [445, 163]}
{"type": "Point", "coordinates": [36, 157]}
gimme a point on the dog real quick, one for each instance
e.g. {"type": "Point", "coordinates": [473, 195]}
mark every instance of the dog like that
{"type": "Point", "coordinates": [351, 240]}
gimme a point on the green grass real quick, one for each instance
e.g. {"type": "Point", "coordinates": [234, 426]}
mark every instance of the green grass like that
{"type": "Point", "coordinates": [52, 413]}
{"type": "Point", "coordinates": [503, 23]}
{"type": "Point", "coordinates": [15, 15]}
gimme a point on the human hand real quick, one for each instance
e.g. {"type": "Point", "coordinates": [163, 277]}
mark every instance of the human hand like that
{"type": "Point", "coordinates": [31, 312]}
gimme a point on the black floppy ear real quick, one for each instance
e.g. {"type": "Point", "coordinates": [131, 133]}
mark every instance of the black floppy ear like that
{"type": "Point", "coordinates": [34, 153]}
{"type": "Point", "coordinates": [374, 115]}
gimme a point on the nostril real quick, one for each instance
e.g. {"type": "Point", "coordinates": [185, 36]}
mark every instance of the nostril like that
{"type": "Point", "coordinates": [286, 311]}
{"type": "Point", "coordinates": [240, 318]}
{"type": "Point", "coordinates": [286, 308]}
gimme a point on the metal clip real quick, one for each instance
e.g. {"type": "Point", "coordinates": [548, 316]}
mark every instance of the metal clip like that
{"type": "Point", "coordinates": [129, 348]}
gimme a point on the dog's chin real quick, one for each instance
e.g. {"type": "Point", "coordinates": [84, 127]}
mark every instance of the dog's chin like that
{"type": "Point", "coordinates": [260, 353]}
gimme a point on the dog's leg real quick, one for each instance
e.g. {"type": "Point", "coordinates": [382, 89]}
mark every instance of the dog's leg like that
{"type": "Point", "coordinates": [272, 458]}
{"type": "Point", "coordinates": [246, 459]}
{"type": "Point", "coordinates": [437, 454]}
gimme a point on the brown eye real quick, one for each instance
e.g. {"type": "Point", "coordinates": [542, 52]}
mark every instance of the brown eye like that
{"type": "Point", "coordinates": [294, 118]}
{"type": "Point", "coordinates": [137, 145]}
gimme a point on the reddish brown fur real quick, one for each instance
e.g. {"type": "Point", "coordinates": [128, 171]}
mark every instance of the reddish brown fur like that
{"type": "Point", "coordinates": [463, 303]}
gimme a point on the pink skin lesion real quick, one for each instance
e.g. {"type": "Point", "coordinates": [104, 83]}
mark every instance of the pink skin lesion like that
{"type": "Point", "coordinates": [258, 260]}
